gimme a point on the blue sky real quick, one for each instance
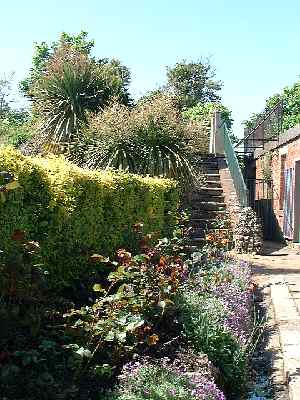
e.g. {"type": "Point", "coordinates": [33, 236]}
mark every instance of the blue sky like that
{"type": "Point", "coordinates": [254, 45]}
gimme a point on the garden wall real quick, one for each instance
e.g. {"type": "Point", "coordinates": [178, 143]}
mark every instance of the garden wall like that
{"type": "Point", "coordinates": [74, 213]}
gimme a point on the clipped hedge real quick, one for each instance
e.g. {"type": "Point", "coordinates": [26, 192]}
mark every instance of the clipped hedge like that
{"type": "Point", "coordinates": [74, 212]}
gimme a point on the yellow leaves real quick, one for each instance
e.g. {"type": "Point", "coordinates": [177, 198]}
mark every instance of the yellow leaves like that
{"type": "Point", "coordinates": [92, 211]}
{"type": "Point", "coordinates": [12, 185]}
{"type": "Point", "coordinates": [98, 288]}
{"type": "Point", "coordinates": [152, 340]}
{"type": "Point", "coordinates": [6, 188]}
{"type": "Point", "coordinates": [97, 258]}
{"type": "Point", "coordinates": [209, 238]}
{"type": "Point", "coordinates": [151, 211]}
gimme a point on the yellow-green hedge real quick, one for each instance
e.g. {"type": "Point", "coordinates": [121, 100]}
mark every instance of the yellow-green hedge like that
{"type": "Point", "coordinates": [74, 212]}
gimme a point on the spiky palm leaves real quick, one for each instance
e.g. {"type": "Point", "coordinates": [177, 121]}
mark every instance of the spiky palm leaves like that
{"type": "Point", "coordinates": [73, 85]}
{"type": "Point", "coordinates": [63, 101]}
{"type": "Point", "coordinates": [164, 152]}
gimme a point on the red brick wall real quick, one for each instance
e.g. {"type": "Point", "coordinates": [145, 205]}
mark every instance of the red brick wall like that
{"type": "Point", "coordinates": [229, 192]}
{"type": "Point", "coordinates": [278, 164]}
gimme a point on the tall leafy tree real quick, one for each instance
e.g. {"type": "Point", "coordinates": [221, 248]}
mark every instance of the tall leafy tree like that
{"type": "Point", "coordinates": [44, 51]}
{"type": "Point", "coordinates": [5, 88]}
{"type": "Point", "coordinates": [66, 83]}
{"type": "Point", "coordinates": [193, 83]}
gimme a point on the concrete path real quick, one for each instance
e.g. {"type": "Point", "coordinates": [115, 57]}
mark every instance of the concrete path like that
{"type": "Point", "coordinates": [279, 270]}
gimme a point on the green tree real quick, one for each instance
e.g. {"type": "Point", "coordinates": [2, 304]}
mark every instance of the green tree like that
{"type": "Point", "coordinates": [204, 112]}
{"type": "Point", "coordinates": [43, 51]}
{"type": "Point", "coordinates": [72, 85]}
{"type": "Point", "coordinates": [193, 83]}
{"type": "Point", "coordinates": [66, 82]}
{"type": "Point", "coordinates": [15, 126]}
{"type": "Point", "coordinates": [5, 88]}
{"type": "Point", "coordinates": [290, 103]}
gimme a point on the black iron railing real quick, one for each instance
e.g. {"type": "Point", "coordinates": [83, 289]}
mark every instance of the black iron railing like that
{"type": "Point", "coordinates": [264, 129]}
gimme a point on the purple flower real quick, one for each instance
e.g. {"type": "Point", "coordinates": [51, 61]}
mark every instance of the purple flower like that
{"type": "Point", "coordinates": [172, 392]}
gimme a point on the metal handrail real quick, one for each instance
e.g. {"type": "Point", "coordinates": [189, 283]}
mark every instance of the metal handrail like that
{"type": "Point", "coordinates": [260, 122]}
{"type": "Point", "coordinates": [234, 167]}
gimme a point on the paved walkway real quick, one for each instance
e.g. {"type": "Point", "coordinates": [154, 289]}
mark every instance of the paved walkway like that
{"type": "Point", "coordinates": [278, 269]}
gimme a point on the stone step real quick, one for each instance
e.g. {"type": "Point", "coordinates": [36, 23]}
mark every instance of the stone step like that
{"type": "Point", "coordinates": [198, 232]}
{"type": "Point", "coordinates": [212, 184]}
{"type": "Point", "coordinates": [210, 171]}
{"type": "Point", "coordinates": [197, 241]}
{"type": "Point", "coordinates": [209, 162]}
{"type": "Point", "coordinates": [211, 190]}
{"type": "Point", "coordinates": [202, 222]}
{"type": "Point", "coordinates": [198, 213]}
{"type": "Point", "coordinates": [213, 177]}
{"type": "Point", "coordinates": [210, 205]}
{"type": "Point", "coordinates": [207, 197]}
{"type": "Point", "coordinates": [203, 231]}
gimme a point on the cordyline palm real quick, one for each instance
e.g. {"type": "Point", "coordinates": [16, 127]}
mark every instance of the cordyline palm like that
{"type": "Point", "coordinates": [155, 156]}
{"type": "Point", "coordinates": [148, 140]}
{"type": "Point", "coordinates": [64, 98]}
{"type": "Point", "coordinates": [164, 154]}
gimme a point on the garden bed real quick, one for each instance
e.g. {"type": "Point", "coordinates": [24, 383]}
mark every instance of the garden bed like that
{"type": "Point", "coordinates": [162, 324]}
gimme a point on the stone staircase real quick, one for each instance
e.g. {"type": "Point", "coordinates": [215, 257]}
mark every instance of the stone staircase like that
{"type": "Point", "coordinates": [206, 202]}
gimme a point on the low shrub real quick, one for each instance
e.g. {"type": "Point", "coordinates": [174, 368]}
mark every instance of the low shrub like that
{"type": "Point", "coordinates": [148, 139]}
{"type": "Point", "coordinates": [15, 127]}
{"type": "Point", "coordinates": [134, 310]}
{"type": "Point", "coordinates": [215, 313]}
{"type": "Point", "coordinates": [74, 213]}
{"type": "Point", "coordinates": [151, 381]}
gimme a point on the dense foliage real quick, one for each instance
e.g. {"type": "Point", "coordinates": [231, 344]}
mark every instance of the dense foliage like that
{"type": "Point", "coordinates": [167, 381]}
{"type": "Point", "coordinates": [202, 115]}
{"type": "Point", "coordinates": [15, 125]}
{"type": "Point", "coordinates": [204, 112]}
{"type": "Point", "coordinates": [70, 89]}
{"type": "Point", "coordinates": [159, 302]}
{"type": "Point", "coordinates": [72, 85]}
{"type": "Point", "coordinates": [75, 212]}
{"type": "Point", "coordinates": [43, 53]}
{"type": "Point", "coordinates": [289, 100]}
{"type": "Point", "coordinates": [151, 139]}
{"type": "Point", "coordinates": [193, 83]}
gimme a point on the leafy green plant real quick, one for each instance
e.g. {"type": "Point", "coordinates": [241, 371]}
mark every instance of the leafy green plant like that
{"type": "Point", "coordinates": [135, 305]}
{"type": "Point", "coordinates": [202, 317]}
{"type": "Point", "coordinates": [44, 372]}
{"type": "Point", "coordinates": [71, 86]}
{"type": "Point", "coordinates": [193, 82]}
{"type": "Point", "coordinates": [56, 197]}
{"type": "Point", "coordinates": [153, 382]}
{"type": "Point", "coordinates": [287, 103]}
{"type": "Point", "coordinates": [150, 140]}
